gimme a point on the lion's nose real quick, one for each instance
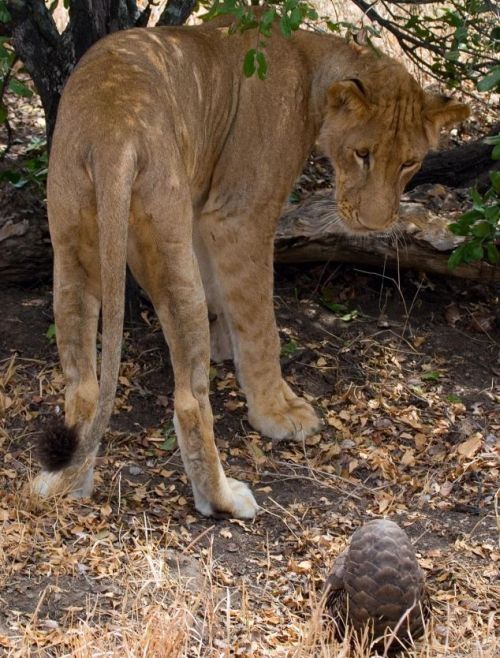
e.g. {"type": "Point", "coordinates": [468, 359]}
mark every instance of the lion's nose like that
{"type": "Point", "coordinates": [369, 224]}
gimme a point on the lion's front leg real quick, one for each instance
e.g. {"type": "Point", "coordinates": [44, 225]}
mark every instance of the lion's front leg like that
{"type": "Point", "coordinates": [241, 252]}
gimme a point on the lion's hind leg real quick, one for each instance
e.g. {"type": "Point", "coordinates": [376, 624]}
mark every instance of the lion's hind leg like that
{"type": "Point", "coordinates": [64, 449]}
{"type": "Point", "coordinates": [162, 260]}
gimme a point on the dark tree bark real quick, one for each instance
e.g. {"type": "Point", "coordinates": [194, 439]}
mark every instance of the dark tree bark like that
{"type": "Point", "coordinates": [464, 166]}
{"type": "Point", "coordinates": [177, 12]}
{"type": "Point", "coordinates": [25, 252]}
{"type": "Point", "coordinates": [50, 57]}
{"type": "Point", "coordinates": [47, 55]}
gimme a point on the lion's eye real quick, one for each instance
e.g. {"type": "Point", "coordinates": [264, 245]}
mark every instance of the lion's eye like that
{"type": "Point", "coordinates": [364, 154]}
{"type": "Point", "coordinates": [408, 164]}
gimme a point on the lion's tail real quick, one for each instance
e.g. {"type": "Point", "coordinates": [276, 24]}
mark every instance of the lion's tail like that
{"type": "Point", "coordinates": [113, 184]}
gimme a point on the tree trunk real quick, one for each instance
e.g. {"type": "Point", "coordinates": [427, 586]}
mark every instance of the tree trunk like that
{"type": "Point", "coordinates": [49, 57]}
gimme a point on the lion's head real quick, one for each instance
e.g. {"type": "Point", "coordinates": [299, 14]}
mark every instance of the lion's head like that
{"type": "Point", "coordinates": [377, 129]}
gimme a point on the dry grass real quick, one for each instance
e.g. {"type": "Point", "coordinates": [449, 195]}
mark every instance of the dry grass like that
{"type": "Point", "coordinates": [159, 600]}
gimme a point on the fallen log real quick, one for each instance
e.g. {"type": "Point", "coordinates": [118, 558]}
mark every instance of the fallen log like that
{"type": "Point", "coordinates": [305, 233]}
{"type": "Point", "coordinates": [25, 250]}
{"type": "Point", "coordinates": [467, 165]}
{"type": "Point", "coordinates": [308, 232]}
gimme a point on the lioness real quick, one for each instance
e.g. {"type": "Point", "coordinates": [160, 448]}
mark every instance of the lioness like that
{"type": "Point", "coordinates": [167, 158]}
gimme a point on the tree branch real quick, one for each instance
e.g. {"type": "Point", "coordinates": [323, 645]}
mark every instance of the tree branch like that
{"type": "Point", "coordinates": [401, 36]}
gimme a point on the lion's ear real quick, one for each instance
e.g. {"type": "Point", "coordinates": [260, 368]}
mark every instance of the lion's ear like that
{"type": "Point", "coordinates": [349, 94]}
{"type": "Point", "coordinates": [441, 111]}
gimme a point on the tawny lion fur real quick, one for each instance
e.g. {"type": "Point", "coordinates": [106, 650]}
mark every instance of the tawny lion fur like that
{"type": "Point", "coordinates": [167, 158]}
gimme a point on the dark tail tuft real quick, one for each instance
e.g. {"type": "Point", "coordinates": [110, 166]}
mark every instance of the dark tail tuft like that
{"type": "Point", "coordinates": [57, 446]}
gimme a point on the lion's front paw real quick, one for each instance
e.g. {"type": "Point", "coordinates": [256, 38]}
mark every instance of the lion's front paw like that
{"type": "Point", "coordinates": [285, 417]}
{"type": "Point", "coordinates": [238, 502]}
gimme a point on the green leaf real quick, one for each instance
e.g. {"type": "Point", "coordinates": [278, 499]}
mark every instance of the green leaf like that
{"type": "Point", "coordinates": [456, 257]}
{"type": "Point", "coordinates": [458, 229]}
{"type": "Point", "coordinates": [463, 224]}
{"type": "Point", "coordinates": [3, 113]}
{"type": "Point", "coordinates": [460, 33]}
{"type": "Point", "coordinates": [267, 21]}
{"type": "Point", "coordinates": [492, 253]}
{"type": "Point", "coordinates": [492, 139]}
{"type": "Point", "coordinates": [477, 199]}
{"type": "Point", "coordinates": [249, 63]}
{"type": "Point", "coordinates": [295, 18]}
{"type": "Point", "coordinates": [482, 230]}
{"type": "Point", "coordinates": [495, 154]}
{"type": "Point", "coordinates": [268, 17]}
{"type": "Point", "coordinates": [286, 27]}
{"type": "Point", "coordinates": [51, 332]}
{"type": "Point", "coordinates": [14, 178]}
{"type": "Point", "coordinates": [492, 214]}
{"type": "Point", "coordinates": [431, 376]}
{"type": "Point", "coordinates": [289, 348]}
{"type": "Point", "coordinates": [334, 306]}
{"type": "Point", "coordinates": [19, 88]}
{"type": "Point", "coordinates": [6, 56]}
{"type": "Point", "coordinates": [261, 65]}
{"type": "Point", "coordinates": [333, 27]}
{"type": "Point", "coordinates": [412, 21]}
{"type": "Point", "coordinates": [472, 251]}
{"type": "Point", "coordinates": [170, 440]}
{"type": "Point", "coordinates": [495, 180]}
{"type": "Point", "coordinates": [490, 81]}
{"type": "Point", "coordinates": [4, 13]}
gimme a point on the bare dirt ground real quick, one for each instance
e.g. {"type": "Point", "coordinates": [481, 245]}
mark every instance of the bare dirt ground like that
{"type": "Point", "coordinates": [404, 374]}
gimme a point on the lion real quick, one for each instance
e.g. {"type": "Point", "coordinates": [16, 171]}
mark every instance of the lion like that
{"type": "Point", "coordinates": [167, 158]}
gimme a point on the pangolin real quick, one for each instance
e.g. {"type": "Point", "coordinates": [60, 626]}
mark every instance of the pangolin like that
{"type": "Point", "coordinates": [378, 581]}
